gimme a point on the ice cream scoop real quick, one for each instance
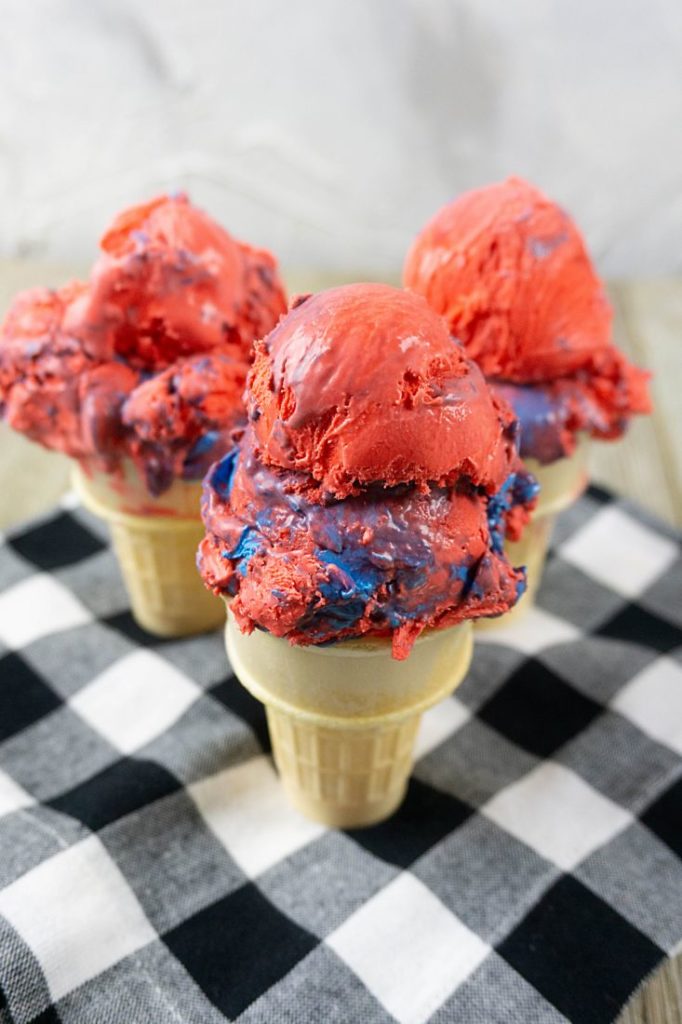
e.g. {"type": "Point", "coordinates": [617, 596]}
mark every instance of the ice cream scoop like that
{"type": "Point", "coordinates": [147, 360]}
{"type": "Point", "coordinates": [368, 493]}
{"type": "Point", "coordinates": [170, 282]}
{"type": "Point", "coordinates": [359, 521]}
{"type": "Point", "coordinates": [364, 385]}
{"type": "Point", "coordinates": [509, 271]}
{"type": "Point", "coordinates": [138, 375]}
{"type": "Point", "coordinates": [388, 561]}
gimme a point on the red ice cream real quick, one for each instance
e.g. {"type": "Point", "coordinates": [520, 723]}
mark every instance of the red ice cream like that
{"type": "Point", "coordinates": [42, 369]}
{"type": "Point", "coordinates": [171, 282]}
{"type": "Point", "coordinates": [363, 384]}
{"type": "Point", "coordinates": [181, 419]}
{"type": "Point", "coordinates": [147, 360]}
{"type": "Point", "coordinates": [509, 272]}
{"type": "Point", "coordinates": [369, 492]}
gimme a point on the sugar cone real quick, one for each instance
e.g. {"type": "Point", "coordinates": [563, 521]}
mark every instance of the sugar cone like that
{"type": "Point", "coordinates": [155, 541]}
{"type": "Point", "coordinates": [561, 483]}
{"type": "Point", "coordinates": [343, 719]}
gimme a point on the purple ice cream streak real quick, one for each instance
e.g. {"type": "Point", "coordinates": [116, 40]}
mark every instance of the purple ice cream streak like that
{"type": "Point", "coordinates": [404, 548]}
{"type": "Point", "coordinates": [542, 419]}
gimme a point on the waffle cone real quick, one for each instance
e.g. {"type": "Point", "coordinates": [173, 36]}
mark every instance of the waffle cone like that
{"type": "Point", "coordinates": [561, 483]}
{"type": "Point", "coordinates": [155, 541]}
{"type": "Point", "coordinates": [343, 719]}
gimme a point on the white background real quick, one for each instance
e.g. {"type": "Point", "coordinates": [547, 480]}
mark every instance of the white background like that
{"type": "Point", "coordinates": [330, 130]}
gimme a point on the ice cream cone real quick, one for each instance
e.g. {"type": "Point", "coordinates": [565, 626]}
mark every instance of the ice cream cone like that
{"type": "Point", "coordinates": [155, 540]}
{"type": "Point", "coordinates": [343, 718]}
{"type": "Point", "coordinates": [561, 483]}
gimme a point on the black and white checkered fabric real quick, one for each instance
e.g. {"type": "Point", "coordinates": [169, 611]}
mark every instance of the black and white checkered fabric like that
{"type": "Point", "coordinates": [151, 870]}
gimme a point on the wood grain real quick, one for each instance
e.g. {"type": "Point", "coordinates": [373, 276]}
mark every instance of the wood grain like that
{"type": "Point", "coordinates": [659, 1001]}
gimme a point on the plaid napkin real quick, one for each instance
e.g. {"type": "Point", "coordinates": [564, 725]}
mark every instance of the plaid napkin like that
{"type": "Point", "coordinates": [151, 870]}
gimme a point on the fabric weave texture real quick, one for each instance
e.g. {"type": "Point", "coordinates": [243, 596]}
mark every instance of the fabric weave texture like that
{"type": "Point", "coordinates": [151, 869]}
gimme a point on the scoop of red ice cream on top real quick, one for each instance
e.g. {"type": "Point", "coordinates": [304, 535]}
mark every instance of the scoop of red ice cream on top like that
{"type": "Point", "coordinates": [147, 360]}
{"type": "Point", "coordinates": [370, 492]}
{"type": "Point", "coordinates": [509, 271]}
{"type": "Point", "coordinates": [170, 282]}
{"type": "Point", "coordinates": [363, 384]}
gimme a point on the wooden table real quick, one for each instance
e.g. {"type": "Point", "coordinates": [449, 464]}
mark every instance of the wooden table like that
{"type": "Point", "coordinates": [646, 467]}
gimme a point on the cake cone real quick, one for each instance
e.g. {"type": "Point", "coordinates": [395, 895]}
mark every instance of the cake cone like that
{"type": "Point", "coordinates": [155, 540]}
{"type": "Point", "coordinates": [343, 718]}
{"type": "Point", "coordinates": [561, 483]}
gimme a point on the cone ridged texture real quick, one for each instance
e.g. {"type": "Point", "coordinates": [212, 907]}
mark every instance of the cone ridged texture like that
{"type": "Point", "coordinates": [167, 595]}
{"type": "Point", "coordinates": [157, 558]}
{"type": "Point", "coordinates": [343, 777]}
{"type": "Point", "coordinates": [342, 763]}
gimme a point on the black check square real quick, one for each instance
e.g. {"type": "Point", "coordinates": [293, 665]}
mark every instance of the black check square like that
{"type": "Point", "coordinates": [148, 987]}
{"type": "Point", "coordinates": [117, 790]}
{"type": "Point", "coordinates": [599, 494]}
{"type": "Point", "coordinates": [621, 872]}
{"type": "Point", "coordinates": [319, 990]}
{"type": "Point", "coordinates": [237, 948]}
{"type": "Point", "coordinates": [491, 666]}
{"type": "Point", "coordinates": [48, 1016]}
{"type": "Point", "coordinates": [57, 543]}
{"type": "Point", "coordinates": [579, 953]}
{"type": "Point", "coordinates": [496, 994]}
{"type": "Point", "coordinates": [664, 817]}
{"type": "Point", "coordinates": [635, 625]}
{"type": "Point", "coordinates": [236, 698]}
{"type": "Point", "coordinates": [24, 696]}
{"type": "Point", "coordinates": [124, 623]}
{"type": "Point", "coordinates": [537, 710]}
{"type": "Point", "coordinates": [422, 820]}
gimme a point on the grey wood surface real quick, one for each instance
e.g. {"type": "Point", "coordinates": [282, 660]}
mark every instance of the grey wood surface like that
{"type": "Point", "coordinates": [646, 466]}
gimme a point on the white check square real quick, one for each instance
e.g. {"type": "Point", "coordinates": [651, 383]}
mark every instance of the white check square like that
{"type": "Point", "coordinates": [135, 699]}
{"type": "Point", "coordinates": [534, 630]}
{"type": "Point", "coordinates": [36, 607]}
{"type": "Point", "coordinates": [77, 914]}
{"type": "Point", "coordinates": [653, 701]}
{"type": "Point", "coordinates": [619, 552]}
{"type": "Point", "coordinates": [557, 814]}
{"type": "Point", "coordinates": [12, 796]}
{"type": "Point", "coordinates": [408, 949]}
{"type": "Point", "coordinates": [438, 723]}
{"type": "Point", "coordinates": [246, 809]}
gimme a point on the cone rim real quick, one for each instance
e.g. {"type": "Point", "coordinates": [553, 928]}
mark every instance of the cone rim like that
{"type": "Point", "coordinates": [351, 722]}
{"type": "Point", "coordinates": [150, 522]}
